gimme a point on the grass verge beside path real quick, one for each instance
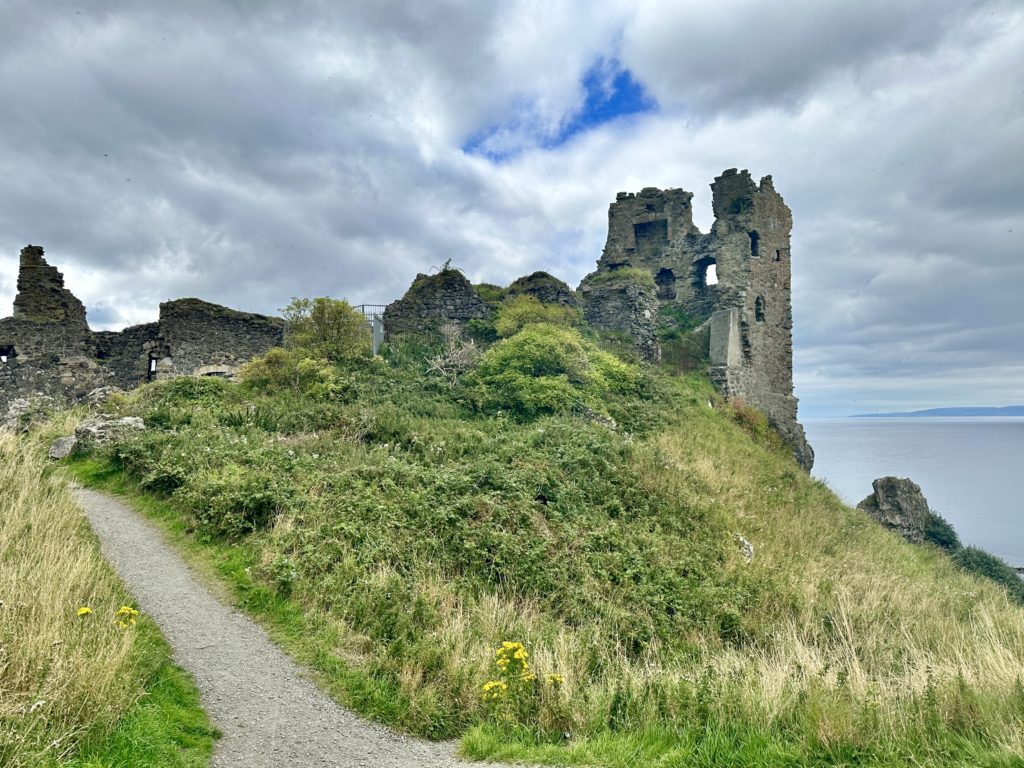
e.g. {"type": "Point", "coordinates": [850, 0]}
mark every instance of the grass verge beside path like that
{"type": "Point", "coordinates": [77, 688]}
{"type": "Point", "coordinates": [308, 638]}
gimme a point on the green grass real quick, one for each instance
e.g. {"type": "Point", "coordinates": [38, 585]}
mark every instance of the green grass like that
{"type": "Point", "coordinates": [394, 534]}
{"type": "Point", "coordinates": [77, 689]}
{"type": "Point", "coordinates": [167, 728]}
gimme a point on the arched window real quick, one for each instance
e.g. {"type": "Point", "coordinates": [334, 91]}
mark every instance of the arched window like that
{"type": "Point", "coordinates": [759, 309]}
{"type": "Point", "coordinates": [705, 272]}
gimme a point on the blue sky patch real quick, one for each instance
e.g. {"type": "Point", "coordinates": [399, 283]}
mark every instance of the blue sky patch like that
{"type": "Point", "coordinates": [611, 92]}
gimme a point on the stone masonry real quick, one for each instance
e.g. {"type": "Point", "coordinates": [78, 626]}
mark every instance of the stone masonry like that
{"type": "Point", "coordinates": [47, 348]}
{"type": "Point", "coordinates": [433, 301]}
{"type": "Point", "coordinates": [748, 309]}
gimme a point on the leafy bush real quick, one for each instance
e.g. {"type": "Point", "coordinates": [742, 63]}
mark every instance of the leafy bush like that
{"type": "Point", "coordinates": [941, 533]}
{"type": "Point", "coordinates": [982, 563]}
{"type": "Point", "coordinates": [547, 369]}
{"type": "Point", "coordinates": [290, 370]}
{"type": "Point", "coordinates": [326, 328]}
{"type": "Point", "coordinates": [232, 499]}
{"type": "Point", "coordinates": [521, 311]}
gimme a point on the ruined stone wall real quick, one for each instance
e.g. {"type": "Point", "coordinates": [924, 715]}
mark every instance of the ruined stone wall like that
{"type": "Point", "coordinates": [626, 307]}
{"type": "Point", "coordinates": [749, 247]}
{"type": "Point", "coordinates": [432, 301]}
{"type": "Point", "coordinates": [47, 349]}
{"type": "Point", "coordinates": [126, 354]}
{"type": "Point", "coordinates": [202, 338]}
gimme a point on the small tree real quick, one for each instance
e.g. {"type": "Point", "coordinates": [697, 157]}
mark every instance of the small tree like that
{"type": "Point", "coordinates": [326, 328]}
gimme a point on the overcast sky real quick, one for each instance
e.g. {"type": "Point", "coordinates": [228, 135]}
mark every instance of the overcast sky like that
{"type": "Point", "coordinates": [246, 152]}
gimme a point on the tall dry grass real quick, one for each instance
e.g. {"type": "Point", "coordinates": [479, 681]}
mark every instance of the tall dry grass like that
{"type": "Point", "coordinates": [62, 676]}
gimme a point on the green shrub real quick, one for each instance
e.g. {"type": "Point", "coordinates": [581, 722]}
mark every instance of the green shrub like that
{"type": "Point", "coordinates": [547, 369]}
{"type": "Point", "coordinates": [518, 312]}
{"type": "Point", "coordinates": [326, 328]}
{"type": "Point", "coordinates": [941, 533]}
{"type": "Point", "coordinates": [490, 294]}
{"type": "Point", "coordinates": [982, 563]}
{"type": "Point", "coordinates": [290, 370]}
{"type": "Point", "coordinates": [231, 499]}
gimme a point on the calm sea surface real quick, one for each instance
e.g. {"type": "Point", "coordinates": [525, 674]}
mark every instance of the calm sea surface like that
{"type": "Point", "coordinates": [971, 470]}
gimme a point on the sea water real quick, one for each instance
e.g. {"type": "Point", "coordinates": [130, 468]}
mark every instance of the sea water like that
{"type": "Point", "coordinates": [971, 470]}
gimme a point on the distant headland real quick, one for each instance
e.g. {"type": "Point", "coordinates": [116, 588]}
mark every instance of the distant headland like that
{"type": "Point", "coordinates": [970, 411]}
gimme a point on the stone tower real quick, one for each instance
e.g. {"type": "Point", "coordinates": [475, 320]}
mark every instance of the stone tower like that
{"type": "Point", "coordinates": [747, 312]}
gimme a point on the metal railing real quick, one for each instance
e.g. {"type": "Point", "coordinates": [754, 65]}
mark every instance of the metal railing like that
{"type": "Point", "coordinates": [374, 314]}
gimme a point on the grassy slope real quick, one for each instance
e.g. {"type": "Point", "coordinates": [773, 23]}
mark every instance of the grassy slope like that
{"type": "Point", "coordinates": [78, 691]}
{"type": "Point", "coordinates": [413, 538]}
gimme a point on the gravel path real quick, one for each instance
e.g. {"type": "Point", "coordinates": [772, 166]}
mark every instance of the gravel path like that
{"type": "Point", "coordinates": [269, 713]}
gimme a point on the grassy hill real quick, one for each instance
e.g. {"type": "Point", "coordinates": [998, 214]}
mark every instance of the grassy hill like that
{"type": "Point", "coordinates": [539, 550]}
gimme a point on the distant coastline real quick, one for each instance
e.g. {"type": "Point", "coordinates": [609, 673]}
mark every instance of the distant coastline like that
{"type": "Point", "coordinates": [1006, 410]}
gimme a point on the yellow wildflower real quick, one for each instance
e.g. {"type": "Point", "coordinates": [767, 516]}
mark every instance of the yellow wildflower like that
{"type": "Point", "coordinates": [494, 689]}
{"type": "Point", "coordinates": [85, 610]}
{"type": "Point", "coordinates": [555, 681]}
{"type": "Point", "coordinates": [126, 616]}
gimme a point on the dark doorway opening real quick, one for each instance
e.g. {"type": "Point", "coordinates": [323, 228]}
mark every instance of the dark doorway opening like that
{"type": "Point", "coordinates": [7, 353]}
{"type": "Point", "coordinates": [754, 243]}
{"type": "Point", "coordinates": [759, 309]}
{"type": "Point", "coordinates": [666, 282]}
{"type": "Point", "coordinates": [151, 368]}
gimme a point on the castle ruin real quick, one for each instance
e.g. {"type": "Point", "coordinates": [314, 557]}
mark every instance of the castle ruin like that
{"type": "Point", "coordinates": [731, 285]}
{"type": "Point", "coordinates": [746, 312]}
{"type": "Point", "coordinates": [47, 347]}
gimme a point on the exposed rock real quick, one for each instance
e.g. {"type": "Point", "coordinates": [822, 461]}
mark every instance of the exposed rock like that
{"type": "Point", "coordinates": [746, 548]}
{"type": "Point", "coordinates": [544, 287]}
{"type": "Point", "coordinates": [898, 504]}
{"type": "Point", "coordinates": [100, 395]}
{"type": "Point", "coordinates": [63, 447]}
{"type": "Point", "coordinates": [22, 409]}
{"type": "Point", "coordinates": [432, 301]}
{"type": "Point", "coordinates": [101, 430]}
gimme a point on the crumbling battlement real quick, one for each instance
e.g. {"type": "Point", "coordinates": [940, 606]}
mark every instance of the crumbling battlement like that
{"type": "Point", "coordinates": [46, 347]}
{"type": "Point", "coordinates": [735, 279]}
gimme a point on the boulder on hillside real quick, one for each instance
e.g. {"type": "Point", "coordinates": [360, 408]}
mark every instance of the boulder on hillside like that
{"type": "Point", "coordinates": [101, 430]}
{"type": "Point", "coordinates": [63, 447]}
{"type": "Point", "coordinates": [898, 504]}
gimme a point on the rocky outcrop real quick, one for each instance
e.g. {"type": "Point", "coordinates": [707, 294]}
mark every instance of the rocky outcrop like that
{"type": "Point", "coordinates": [102, 430]}
{"type": "Point", "coordinates": [898, 504]}
{"type": "Point", "coordinates": [446, 298]}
